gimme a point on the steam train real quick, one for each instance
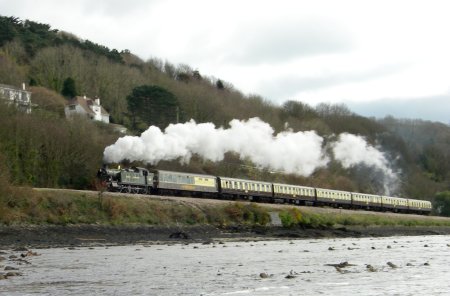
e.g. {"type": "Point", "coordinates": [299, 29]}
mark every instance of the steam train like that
{"type": "Point", "coordinates": [142, 181]}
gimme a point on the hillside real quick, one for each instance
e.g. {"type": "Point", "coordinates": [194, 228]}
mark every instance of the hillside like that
{"type": "Point", "coordinates": [43, 149]}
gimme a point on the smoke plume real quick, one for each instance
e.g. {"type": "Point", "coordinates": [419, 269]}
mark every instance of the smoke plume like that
{"type": "Point", "coordinates": [298, 153]}
{"type": "Point", "coordinates": [351, 150]}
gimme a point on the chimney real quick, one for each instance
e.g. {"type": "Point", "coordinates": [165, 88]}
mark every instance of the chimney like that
{"type": "Point", "coordinates": [84, 97]}
{"type": "Point", "coordinates": [23, 86]}
{"type": "Point", "coordinates": [97, 101]}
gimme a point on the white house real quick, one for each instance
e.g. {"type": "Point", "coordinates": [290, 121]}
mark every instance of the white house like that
{"type": "Point", "coordinates": [86, 106]}
{"type": "Point", "coordinates": [20, 97]}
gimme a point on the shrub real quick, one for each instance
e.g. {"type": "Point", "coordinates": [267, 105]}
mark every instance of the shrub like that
{"type": "Point", "coordinates": [290, 217]}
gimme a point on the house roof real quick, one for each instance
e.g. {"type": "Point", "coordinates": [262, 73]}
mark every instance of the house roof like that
{"type": "Point", "coordinates": [86, 104]}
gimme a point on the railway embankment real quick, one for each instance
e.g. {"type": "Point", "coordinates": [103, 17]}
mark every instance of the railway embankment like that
{"type": "Point", "coordinates": [56, 217]}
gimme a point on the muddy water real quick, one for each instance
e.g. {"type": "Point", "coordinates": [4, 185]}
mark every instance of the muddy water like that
{"type": "Point", "coordinates": [234, 268]}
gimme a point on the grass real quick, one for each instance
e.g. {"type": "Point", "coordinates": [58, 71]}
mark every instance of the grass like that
{"type": "Point", "coordinates": [27, 206]}
{"type": "Point", "coordinates": [70, 207]}
{"type": "Point", "coordinates": [315, 220]}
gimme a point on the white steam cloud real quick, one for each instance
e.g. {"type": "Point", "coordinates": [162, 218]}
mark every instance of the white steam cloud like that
{"type": "Point", "coordinates": [298, 153]}
{"type": "Point", "coordinates": [351, 150]}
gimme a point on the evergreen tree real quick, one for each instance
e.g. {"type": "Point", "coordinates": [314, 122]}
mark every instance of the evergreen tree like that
{"type": "Point", "coordinates": [219, 84]}
{"type": "Point", "coordinates": [152, 105]}
{"type": "Point", "coordinates": [69, 88]}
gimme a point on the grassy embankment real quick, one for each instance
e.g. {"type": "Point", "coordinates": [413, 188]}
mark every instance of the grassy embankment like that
{"type": "Point", "coordinates": [61, 207]}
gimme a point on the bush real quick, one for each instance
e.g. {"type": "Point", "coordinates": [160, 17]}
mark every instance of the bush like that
{"type": "Point", "coordinates": [247, 213]}
{"type": "Point", "coordinates": [290, 217]}
{"type": "Point", "coordinates": [286, 219]}
{"type": "Point", "coordinates": [442, 203]}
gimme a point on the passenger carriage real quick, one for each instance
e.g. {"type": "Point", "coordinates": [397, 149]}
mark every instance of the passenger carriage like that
{"type": "Point", "coordinates": [294, 194]}
{"type": "Point", "coordinates": [394, 204]}
{"type": "Point", "coordinates": [419, 206]}
{"type": "Point", "coordinates": [366, 201]}
{"type": "Point", "coordinates": [335, 198]}
{"type": "Point", "coordinates": [253, 190]}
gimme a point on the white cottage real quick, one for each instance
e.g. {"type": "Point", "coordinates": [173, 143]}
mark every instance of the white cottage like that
{"type": "Point", "coordinates": [86, 106]}
{"type": "Point", "coordinates": [20, 97]}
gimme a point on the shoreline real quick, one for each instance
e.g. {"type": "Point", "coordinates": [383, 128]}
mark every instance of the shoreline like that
{"type": "Point", "coordinates": [80, 235]}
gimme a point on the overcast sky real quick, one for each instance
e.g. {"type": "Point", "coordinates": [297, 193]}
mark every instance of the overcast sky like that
{"type": "Point", "coordinates": [378, 57]}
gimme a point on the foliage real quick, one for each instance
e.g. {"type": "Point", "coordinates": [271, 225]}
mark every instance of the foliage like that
{"type": "Point", "coordinates": [219, 84]}
{"type": "Point", "coordinates": [442, 203]}
{"type": "Point", "coordinates": [10, 72]}
{"type": "Point", "coordinates": [427, 154]}
{"type": "Point", "coordinates": [45, 151]}
{"type": "Point", "coordinates": [48, 101]}
{"type": "Point", "coordinates": [290, 218]}
{"type": "Point", "coordinates": [69, 89]}
{"type": "Point", "coordinates": [247, 213]}
{"type": "Point", "coordinates": [152, 105]}
{"type": "Point", "coordinates": [36, 36]}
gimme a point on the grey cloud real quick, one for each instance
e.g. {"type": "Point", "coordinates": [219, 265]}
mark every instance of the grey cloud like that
{"type": "Point", "coordinates": [293, 85]}
{"type": "Point", "coordinates": [434, 108]}
{"type": "Point", "coordinates": [288, 40]}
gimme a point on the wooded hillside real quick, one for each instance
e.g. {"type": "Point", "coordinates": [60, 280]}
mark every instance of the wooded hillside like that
{"type": "Point", "coordinates": [45, 149]}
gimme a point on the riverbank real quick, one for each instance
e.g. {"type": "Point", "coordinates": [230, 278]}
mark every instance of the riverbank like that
{"type": "Point", "coordinates": [63, 218]}
{"type": "Point", "coordinates": [50, 236]}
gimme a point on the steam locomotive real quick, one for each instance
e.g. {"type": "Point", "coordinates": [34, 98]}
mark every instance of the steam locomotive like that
{"type": "Point", "coordinates": [142, 181]}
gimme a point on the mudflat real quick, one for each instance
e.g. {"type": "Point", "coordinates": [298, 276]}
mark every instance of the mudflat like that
{"type": "Point", "coordinates": [48, 236]}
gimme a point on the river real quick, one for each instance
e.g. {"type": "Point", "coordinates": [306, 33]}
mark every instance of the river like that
{"type": "Point", "coordinates": [292, 267]}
